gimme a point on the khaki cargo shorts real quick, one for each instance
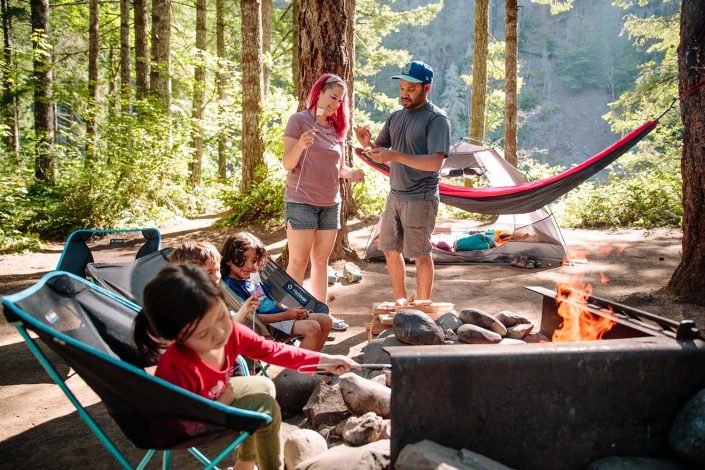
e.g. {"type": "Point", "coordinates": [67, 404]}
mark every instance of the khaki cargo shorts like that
{"type": "Point", "coordinates": [407, 226]}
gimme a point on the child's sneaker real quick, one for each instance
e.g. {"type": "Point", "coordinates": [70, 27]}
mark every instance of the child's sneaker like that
{"type": "Point", "coordinates": [338, 324]}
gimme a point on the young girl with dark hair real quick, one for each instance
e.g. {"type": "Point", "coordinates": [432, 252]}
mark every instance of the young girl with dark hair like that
{"type": "Point", "coordinates": [244, 254]}
{"type": "Point", "coordinates": [314, 155]}
{"type": "Point", "coordinates": [185, 317]}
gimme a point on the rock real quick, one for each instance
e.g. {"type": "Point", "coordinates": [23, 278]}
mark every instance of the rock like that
{"type": "Point", "coordinates": [416, 328]}
{"type": "Point", "coordinates": [509, 319]}
{"type": "Point", "coordinates": [687, 436]}
{"type": "Point", "coordinates": [362, 395]}
{"type": "Point", "coordinates": [361, 430]}
{"type": "Point", "coordinates": [294, 389]}
{"type": "Point", "coordinates": [473, 316]}
{"type": "Point", "coordinates": [634, 463]}
{"type": "Point", "coordinates": [509, 341]}
{"type": "Point", "coordinates": [326, 406]}
{"type": "Point", "coordinates": [537, 338]}
{"type": "Point", "coordinates": [328, 432]}
{"type": "Point", "coordinates": [472, 334]}
{"type": "Point", "coordinates": [388, 375]}
{"type": "Point", "coordinates": [374, 456]}
{"type": "Point", "coordinates": [380, 378]}
{"type": "Point", "coordinates": [449, 321]}
{"type": "Point", "coordinates": [451, 336]}
{"type": "Point", "coordinates": [519, 331]}
{"type": "Point", "coordinates": [340, 427]}
{"type": "Point", "coordinates": [385, 333]}
{"type": "Point", "coordinates": [427, 455]}
{"type": "Point", "coordinates": [302, 445]}
{"type": "Point", "coordinates": [374, 353]}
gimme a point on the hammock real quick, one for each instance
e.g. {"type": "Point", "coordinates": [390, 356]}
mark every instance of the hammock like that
{"type": "Point", "coordinates": [532, 195]}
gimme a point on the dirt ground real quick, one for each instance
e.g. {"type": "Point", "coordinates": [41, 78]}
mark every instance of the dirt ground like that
{"type": "Point", "coordinates": [40, 429]}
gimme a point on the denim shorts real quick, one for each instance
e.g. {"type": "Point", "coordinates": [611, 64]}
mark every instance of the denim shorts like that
{"type": "Point", "coordinates": [308, 217]}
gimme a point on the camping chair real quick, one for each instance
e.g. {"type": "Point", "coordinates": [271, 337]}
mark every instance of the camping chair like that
{"type": "Point", "coordinates": [129, 279]}
{"type": "Point", "coordinates": [84, 246]}
{"type": "Point", "coordinates": [90, 329]}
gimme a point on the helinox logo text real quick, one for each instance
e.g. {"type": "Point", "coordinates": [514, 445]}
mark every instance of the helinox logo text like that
{"type": "Point", "coordinates": [300, 296]}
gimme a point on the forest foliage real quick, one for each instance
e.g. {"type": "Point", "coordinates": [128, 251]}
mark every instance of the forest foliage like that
{"type": "Point", "coordinates": [140, 172]}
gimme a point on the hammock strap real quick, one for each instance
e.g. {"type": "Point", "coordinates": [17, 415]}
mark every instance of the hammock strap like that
{"type": "Point", "coordinates": [689, 91]}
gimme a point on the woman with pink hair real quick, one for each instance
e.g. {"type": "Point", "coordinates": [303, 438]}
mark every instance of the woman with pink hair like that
{"type": "Point", "coordinates": [314, 152]}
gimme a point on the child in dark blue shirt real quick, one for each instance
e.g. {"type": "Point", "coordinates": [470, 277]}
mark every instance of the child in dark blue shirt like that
{"type": "Point", "coordinates": [244, 254]}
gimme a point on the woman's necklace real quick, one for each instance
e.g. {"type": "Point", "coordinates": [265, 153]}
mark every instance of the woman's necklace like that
{"type": "Point", "coordinates": [319, 112]}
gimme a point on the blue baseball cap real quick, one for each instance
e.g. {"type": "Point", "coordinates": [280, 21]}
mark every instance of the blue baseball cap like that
{"type": "Point", "coordinates": [416, 72]}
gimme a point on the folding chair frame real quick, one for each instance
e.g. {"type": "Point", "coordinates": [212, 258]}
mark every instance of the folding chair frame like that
{"type": "Point", "coordinates": [151, 245]}
{"type": "Point", "coordinates": [9, 303]}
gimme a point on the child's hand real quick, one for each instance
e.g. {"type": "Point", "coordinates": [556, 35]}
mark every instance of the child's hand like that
{"type": "Point", "coordinates": [337, 364]}
{"type": "Point", "coordinates": [297, 313]}
{"type": "Point", "coordinates": [252, 304]}
{"type": "Point", "coordinates": [228, 395]}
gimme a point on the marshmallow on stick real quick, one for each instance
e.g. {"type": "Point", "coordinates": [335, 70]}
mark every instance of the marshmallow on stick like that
{"type": "Point", "coordinates": [319, 112]}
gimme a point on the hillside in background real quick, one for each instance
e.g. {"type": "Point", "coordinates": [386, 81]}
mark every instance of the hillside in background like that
{"type": "Point", "coordinates": [571, 65]}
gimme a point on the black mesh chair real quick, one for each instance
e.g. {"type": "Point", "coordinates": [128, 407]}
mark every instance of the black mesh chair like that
{"type": "Point", "coordinates": [90, 329]}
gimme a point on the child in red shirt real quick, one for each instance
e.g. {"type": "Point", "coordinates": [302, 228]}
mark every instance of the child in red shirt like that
{"type": "Point", "coordinates": [185, 312]}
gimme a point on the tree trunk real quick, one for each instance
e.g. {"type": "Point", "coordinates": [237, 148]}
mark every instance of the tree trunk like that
{"type": "Point", "coordinates": [479, 71]}
{"type": "Point", "coordinates": [92, 117]}
{"type": "Point", "coordinates": [9, 97]}
{"type": "Point", "coordinates": [688, 280]}
{"type": "Point", "coordinates": [199, 94]}
{"type": "Point", "coordinates": [296, 8]}
{"type": "Point", "coordinates": [43, 105]}
{"type": "Point", "coordinates": [266, 42]}
{"type": "Point", "coordinates": [221, 80]}
{"type": "Point", "coordinates": [252, 146]}
{"type": "Point", "coordinates": [326, 44]}
{"type": "Point", "coordinates": [125, 54]}
{"type": "Point", "coordinates": [141, 54]}
{"type": "Point", "coordinates": [160, 73]}
{"type": "Point", "coordinates": [510, 83]}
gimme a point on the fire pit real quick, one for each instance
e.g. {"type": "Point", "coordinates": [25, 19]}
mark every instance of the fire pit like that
{"type": "Point", "coordinates": [552, 405]}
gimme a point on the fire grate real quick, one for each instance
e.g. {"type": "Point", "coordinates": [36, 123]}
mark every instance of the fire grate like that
{"type": "Point", "coordinates": [552, 405]}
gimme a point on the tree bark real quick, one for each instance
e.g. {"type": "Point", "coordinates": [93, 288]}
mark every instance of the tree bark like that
{"type": "Point", "coordinates": [266, 42]}
{"type": "Point", "coordinates": [510, 83]}
{"type": "Point", "coordinates": [252, 146]}
{"type": "Point", "coordinates": [160, 73]}
{"type": "Point", "coordinates": [92, 118]}
{"type": "Point", "coordinates": [141, 53]}
{"type": "Point", "coordinates": [221, 80]}
{"type": "Point", "coordinates": [9, 97]}
{"type": "Point", "coordinates": [688, 280]}
{"type": "Point", "coordinates": [125, 91]}
{"type": "Point", "coordinates": [199, 94]}
{"type": "Point", "coordinates": [479, 71]}
{"type": "Point", "coordinates": [296, 8]}
{"type": "Point", "coordinates": [43, 101]}
{"type": "Point", "coordinates": [326, 44]}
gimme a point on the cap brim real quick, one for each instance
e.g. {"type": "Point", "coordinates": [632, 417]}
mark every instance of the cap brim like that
{"type": "Point", "coordinates": [407, 78]}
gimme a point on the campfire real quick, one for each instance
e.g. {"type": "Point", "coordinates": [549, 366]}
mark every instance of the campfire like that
{"type": "Point", "coordinates": [579, 324]}
{"type": "Point", "coordinates": [610, 383]}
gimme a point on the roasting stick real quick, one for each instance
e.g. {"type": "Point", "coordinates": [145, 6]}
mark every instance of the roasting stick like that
{"type": "Point", "coordinates": [318, 368]}
{"type": "Point", "coordinates": [319, 112]}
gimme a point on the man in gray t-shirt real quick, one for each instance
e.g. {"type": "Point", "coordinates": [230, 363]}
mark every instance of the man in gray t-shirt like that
{"type": "Point", "coordinates": [415, 141]}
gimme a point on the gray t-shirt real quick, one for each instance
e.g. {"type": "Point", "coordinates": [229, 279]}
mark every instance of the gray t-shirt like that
{"type": "Point", "coordinates": [418, 131]}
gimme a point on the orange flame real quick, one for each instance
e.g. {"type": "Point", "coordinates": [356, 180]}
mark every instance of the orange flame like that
{"type": "Point", "coordinates": [578, 323]}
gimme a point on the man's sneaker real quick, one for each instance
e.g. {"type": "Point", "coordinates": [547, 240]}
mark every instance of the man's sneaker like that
{"type": "Point", "coordinates": [338, 324]}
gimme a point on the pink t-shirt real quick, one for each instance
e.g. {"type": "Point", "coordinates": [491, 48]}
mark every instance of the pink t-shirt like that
{"type": "Point", "coordinates": [319, 170]}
